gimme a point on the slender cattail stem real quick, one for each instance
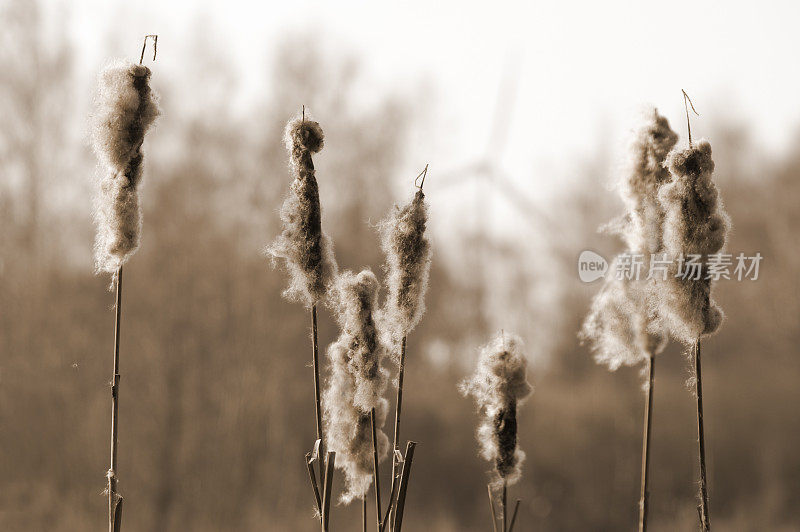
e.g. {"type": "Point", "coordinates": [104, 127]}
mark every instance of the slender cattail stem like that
{"type": "Point", "coordinates": [403, 489]}
{"type": "Point", "coordinates": [648, 420]}
{"type": "Point", "coordinates": [364, 514]}
{"type": "Point", "coordinates": [513, 517]}
{"type": "Point", "coordinates": [312, 476]}
{"type": "Point", "coordinates": [375, 472]}
{"type": "Point", "coordinates": [505, 506]}
{"type": "Point", "coordinates": [114, 499]}
{"type": "Point", "coordinates": [330, 462]}
{"type": "Point", "coordinates": [491, 505]}
{"type": "Point", "coordinates": [398, 408]}
{"type": "Point", "coordinates": [705, 521]}
{"type": "Point", "coordinates": [317, 401]}
{"type": "Point", "coordinates": [390, 508]}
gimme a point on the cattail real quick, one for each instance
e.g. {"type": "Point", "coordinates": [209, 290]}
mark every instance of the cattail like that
{"type": "Point", "coordinates": [695, 224]}
{"type": "Point", "coordinates": [126, 108]}
{"type": "Point", "coordinates": [499, 385]}
{"type": "Point", "coordinates": [641, 182]}
{"type": "Point", "coordinates": [408, 263]}
{"type": "Point", "coordinates": [306, 250]}
{"type": "Point", "coordinates": [357, 383]}
{"type": "Point", "coordinates": [622, 326]}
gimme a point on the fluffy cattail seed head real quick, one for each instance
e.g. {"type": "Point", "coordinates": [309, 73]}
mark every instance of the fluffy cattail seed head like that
{"type": "Point", "coordinates": [357, 383]}
{"type": "Point", "coordinates": [303, 137]}
{"type": "Point", "coordinates": [645, 174]}
{"type": "Point", "coordinates": [307, 252]}
{"type": "Point", "coordinates": [622, 327]}
{"type": "Point", "coordinates": [695, 224]}
{"type": "Point", "coordinates": [408, 262]}
{"type": "Point", "coordinates": [499, 385]}
{"type": "Point", "coordinates": [696, 221]}
{"type": "Point", "coordinates": [615, 326]}
{"type": "Point", "coordinates": [125, 108]}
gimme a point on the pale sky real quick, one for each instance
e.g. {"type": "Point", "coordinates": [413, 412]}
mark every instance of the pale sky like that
{"type": "Point", "coordinates": [583, 68]}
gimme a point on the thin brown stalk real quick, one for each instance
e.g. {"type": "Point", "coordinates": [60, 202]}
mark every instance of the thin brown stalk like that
{"type": "Point", "coordinates": [397, 412]}
{"type": "Point", "coordinates": [687, 103]}
{"type": "Point", "coordinates": [364, 514]}
{"type": "Point", "coordinates": [375, 473]}
{"type": "Point", "coordinates": [404, 478]}
{"type": "Point", "coordinates": [313, 478]}
{"type": "Point", "coordinates": [648, 420]}
{"type": "Point", "coordinates": [317, 401]}
{"type": "Point", "coordinates": [705, 521]}
{"type": "Point", "coordinates": [330, 462]}
{"type": "Point", "coordinates": [114, 499]}
{"type": "Point", "coordinates": [505, 506]}
{"type": "Point", "coordinates": [491, 505]}
{"type": "Point", "coordinates": [514, 517]}
{"type": "Point", "coordinates": [144, 46]}
{"type": "Point", "coordinates": [390, 508]}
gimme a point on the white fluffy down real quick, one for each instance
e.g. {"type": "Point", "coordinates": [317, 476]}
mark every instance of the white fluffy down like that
{"type": "Point", "coordinates": [356, 384]}
{"type": "Point", "coordinates": [125, 108]}
{"type": "Point", "coordinates": [499, 385]}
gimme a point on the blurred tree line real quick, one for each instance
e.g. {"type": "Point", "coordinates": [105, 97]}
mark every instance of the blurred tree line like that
{"type": "Point", "coordinates": [216, 397]}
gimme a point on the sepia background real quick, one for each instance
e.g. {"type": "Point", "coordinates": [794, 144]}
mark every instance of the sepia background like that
{"type": "Point", "coordinates": [523, 112]}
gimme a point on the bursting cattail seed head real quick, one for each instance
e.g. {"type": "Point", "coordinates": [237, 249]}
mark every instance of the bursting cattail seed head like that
{"type": "Point", "coordinates": [623, 327]}
{"type": "Point", "coordinates": [641, 182]}
{"type": "Point", "coordinates": [615, 326]}
{"type": "Point", "coordinates": [499, 385]}
{"type": "Point", "coordinates": [408, 262]}
{"type": "Point", "coordinates": [125, 108]}
{"type": "Point", "coordinates": [306, 250]}
{"type": "Point", "coordinates": [695, 224]}
{"type": "Point", "coordinates": [357, 383]}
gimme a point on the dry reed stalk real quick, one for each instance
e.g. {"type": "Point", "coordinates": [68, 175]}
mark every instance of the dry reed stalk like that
{"type": "Point", "coordinates": [397, 412]}
{"type": "Point", "coordinates": [514, 516]}
{"type": "Point", "coordinates": [648, 420]}
{"type": "Point", "coordinates": [705, 520]}
{"type": "Point", "coordinates": [114, 499]}
{"type": "Point", "coordinates": [375, 471]}
{"type": "Point", "coordinates": [330, 462]}
{"type": "Point", "coordinates": [391, 506]}
{"type": "Point", "coordinates": [317, 401]}
{"type": "Point", "coordinates": [364, 514]}
{"type": "Point", "coordinates": [491, 505]}
{"type": "Point", "coordinates": [403, 487]}
{"type": "Point", "coordinates": [313, 478]}
{"type": "Point", "coordinates": [505, 506]}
